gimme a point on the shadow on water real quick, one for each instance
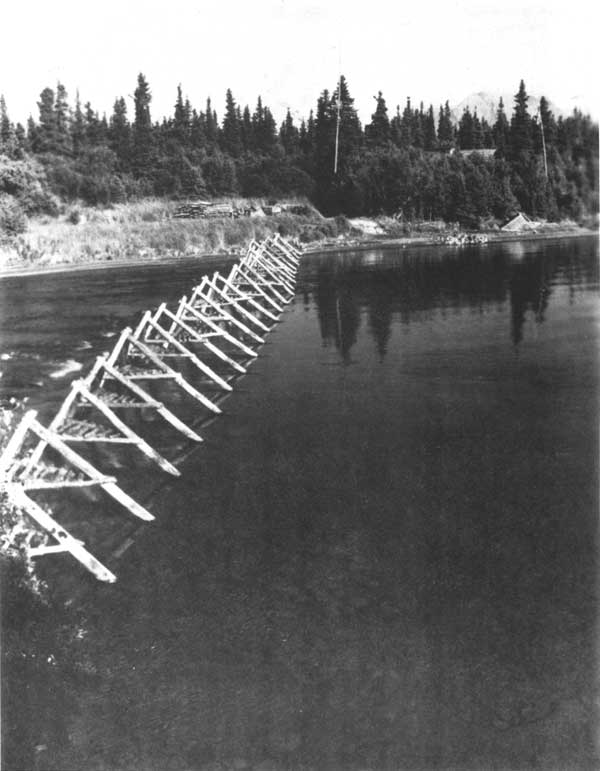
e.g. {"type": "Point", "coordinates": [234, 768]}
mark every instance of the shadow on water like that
{"type": "Point", "coordinates": [383, 556]}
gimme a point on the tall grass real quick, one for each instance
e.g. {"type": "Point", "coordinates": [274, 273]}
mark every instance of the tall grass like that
{"type": "Point", "coordinates": [147, 230]}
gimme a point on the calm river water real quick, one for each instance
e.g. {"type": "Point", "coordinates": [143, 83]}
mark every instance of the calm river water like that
{"type": "Point", "coordinates": [383, 555]}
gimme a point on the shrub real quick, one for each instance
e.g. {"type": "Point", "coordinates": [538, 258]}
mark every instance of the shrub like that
{"type": "Point", "coordinates": [12, 217]}
{"type": "Point", "coordinates": [74, 217]}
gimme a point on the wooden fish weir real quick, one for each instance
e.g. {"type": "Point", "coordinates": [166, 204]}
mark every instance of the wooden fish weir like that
{"type": "Point", "coordinates": [224, 317]}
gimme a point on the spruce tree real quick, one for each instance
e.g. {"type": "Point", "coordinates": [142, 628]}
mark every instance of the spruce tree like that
{"type": "Point", "coordinates": [144, 150]}
{"type": "Point", "coordinates": [182, 120]}
{"type": "Point", "coordinates": [211, 125]}
{"type": "Point", "coordinates": [289, 135]}
{"type": "Point", "coordinates": [501, 131]}
{"type": "Point", "coordinates": [477, 131]}
{"type": "Point", "coordinates": [120, 134]}
{"type": "Point", "coordinates": [247, 131]}
{"type": "Point", "coordinates": [350, 128]}
{"type": "Point", "coordinates": [230, 135]}
{"type": "Point", "coordinates": [407, 126]}
{"type": "Point", "coordinates": [418, 137]}
{"type": "Point", "coordinates": [44, 139]}
{"type": "Point", "coordinates": [429, 134]}
{"type": "Point", "coordinates": [197, 130]}
{"type": "Point", "coordinates": [465, 130]}
{"type": "Point", "coordinates": [445, 128]}
{"type": "Point", "coordinates": [520, 126]}
{"type": "Point", "coordinates": [61, 112]}
{"type": "Point", "coordinates": [77, 128]}
{"type": "Point", "coordinates": [9, 144]}
{"type": "Point", "coordinates": [378, 131]}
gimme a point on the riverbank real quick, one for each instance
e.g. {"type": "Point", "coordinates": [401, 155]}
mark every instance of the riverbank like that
{"type": "Point", "coordinates": [148, 233]}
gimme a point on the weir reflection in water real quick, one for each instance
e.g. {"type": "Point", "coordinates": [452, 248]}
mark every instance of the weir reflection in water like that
{"type": "Point", "coordinates": [383, 557]}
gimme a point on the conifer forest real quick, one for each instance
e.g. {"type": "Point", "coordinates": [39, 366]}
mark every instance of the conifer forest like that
{"type": "Point", "coordinates": [415, 162]}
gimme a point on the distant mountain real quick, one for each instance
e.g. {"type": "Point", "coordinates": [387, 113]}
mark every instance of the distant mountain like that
{"type": "Point", "coordinates": [486, 104]}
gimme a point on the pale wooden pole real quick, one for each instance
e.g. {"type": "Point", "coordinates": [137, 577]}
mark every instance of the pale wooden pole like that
{"type": "Point", "coordinates": [66, 542]}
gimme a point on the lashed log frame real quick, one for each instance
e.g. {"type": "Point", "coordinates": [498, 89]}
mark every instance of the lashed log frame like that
{"type": "Point", "coordinates": [265, 281]}
{"type": "Point", "coordinates": [197, 337]}
{"type": "Point", "coordinates": [154, 326]}
{"type": "Point", "coordinates": [149, 401]}
{"type": "Point", "coordinates": [201, 299]}
{"type": "Point", "coordinates": [193, 314]}
{"type": "Point", "coordinates": [81, 392]}
{"type": "Point", "coordinates": [231, 302]}
{"type": "Point", "coordinates": [228, 284]}
{"type": "Point", "coordinates": [165, 371]}
{"type": "Point", "coordinates": [260, 263]}
{"type": "Point", "coordinates": [275, 261]}
{"type": "Point", "coordinates": [260, 285]}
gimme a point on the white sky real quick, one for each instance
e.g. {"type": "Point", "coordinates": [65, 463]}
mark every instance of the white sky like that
{"type": "Point", "coordinates": [288, 51]}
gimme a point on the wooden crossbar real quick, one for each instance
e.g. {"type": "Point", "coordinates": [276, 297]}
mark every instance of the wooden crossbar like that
{"type": "Point", "coordinates": [260, 262]}
{"type": "Point", "coordinates": [244, 297]}
{"type": "Point", "coordinates": [179, 321]}
{"type": "Point", "coordinates": [53, 440]}
{"type": "Point", "coordinates": [255, 290]}
{"type": "Point", "coordinates": [66, 542]}
{"type": "Point", "coordinates": [262, 282]}
{"type": "Point", "coordinates": [293, 251]}
{"type": "Point", "coordinates": [223, 314]}
{"type": "Point", "coordinates": [177, 377]}
{"type": "Point", "coordinates": [189, 354]}
{"type": "Point", "coordinates": [240, 308]}
{"type": "Point", "coordinates": [216, 329]}
{"type": "Point", "coordinates": [290, 253]}
{"type": "Point", "coordinates": [158, 406]}
{"type": "Point", "coordinates": [275, 262]}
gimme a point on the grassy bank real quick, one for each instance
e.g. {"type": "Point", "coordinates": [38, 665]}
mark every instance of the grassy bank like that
{"type": "Point", "coordinates": [148, 231]}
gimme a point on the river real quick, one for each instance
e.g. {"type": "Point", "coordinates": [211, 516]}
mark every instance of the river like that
{"type": "Point", "coordinates": [383, 555]}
